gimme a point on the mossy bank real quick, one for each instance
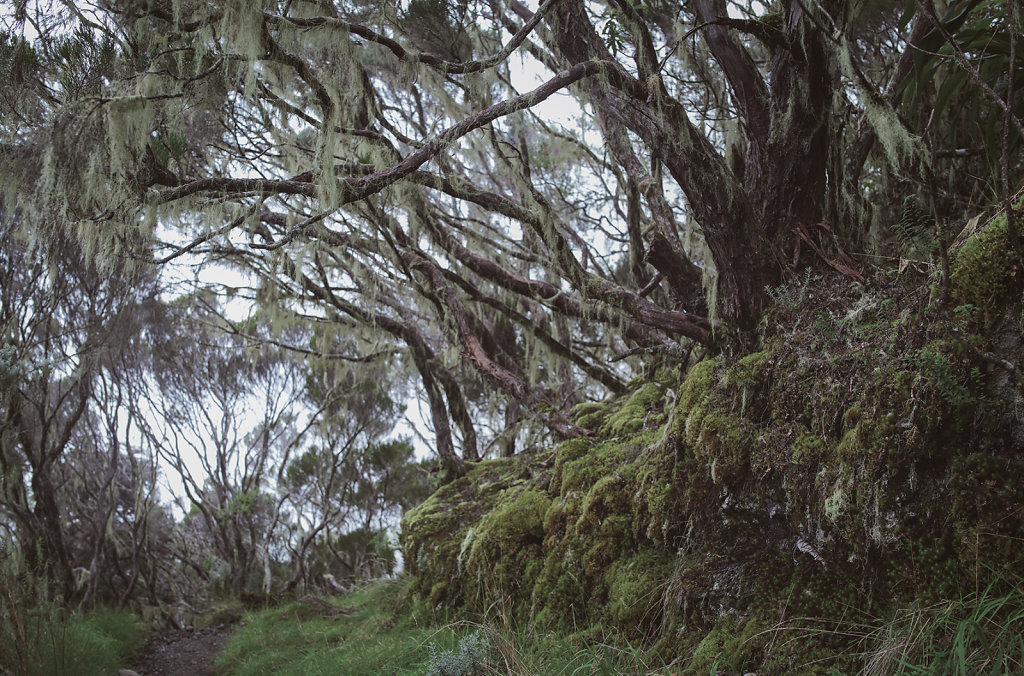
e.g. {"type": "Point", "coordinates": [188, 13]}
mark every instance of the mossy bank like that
{"type": "Point", "coordinates": [863, 461]}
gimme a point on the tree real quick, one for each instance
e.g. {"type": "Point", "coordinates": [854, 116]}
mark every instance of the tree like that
{"type": "Point", "coordinates": [381, 172]}
{"type": "Point", "coordinates": [76, 489]}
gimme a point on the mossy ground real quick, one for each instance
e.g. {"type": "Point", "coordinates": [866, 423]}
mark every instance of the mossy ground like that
{"type": "Point", "coordinates": [857, 463]}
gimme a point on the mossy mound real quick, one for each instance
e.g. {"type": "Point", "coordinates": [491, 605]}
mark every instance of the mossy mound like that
{"type": "Point", "coordinates": [985, 271]}
{"type": "Point", "coordinates": [854, 464]}
{"type": "Point", "coordinates": [491, 518]}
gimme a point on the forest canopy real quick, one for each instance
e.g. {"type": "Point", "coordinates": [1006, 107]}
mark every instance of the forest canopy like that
{"type": "Point", "coordinates": [408, 219]}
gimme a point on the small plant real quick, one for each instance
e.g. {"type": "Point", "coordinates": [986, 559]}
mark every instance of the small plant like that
{"type": "Point", "coordinates": [791, 296]}
{"type": "Point", "coordinates": [937, 367]}
{"type": "Point", "coordinates": [965, 312]}
{"type": "Point", "coordinates": [614, 32]}
{"type": "Point", "coordinates": [915, 229]}
{"type": "Point", "coordinates": [468, 659]}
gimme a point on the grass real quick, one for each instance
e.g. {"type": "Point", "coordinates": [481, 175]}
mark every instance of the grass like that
{"type": "Point", "coordinates": [979, 633]}
{"type": "Point", "coordinates": [356, 634]}
{"type": "Point", "coordinates": [38, 635]}
{"type": "Point", "coordinates": [47, 640]}
{"type": "Point", "coordinates": [371, 632]}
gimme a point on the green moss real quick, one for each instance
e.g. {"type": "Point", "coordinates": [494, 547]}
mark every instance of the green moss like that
{"type": "Point", "coordinates": [566, 453]}
{"type": "Point", "coordinates": [437, 536]}
{"type": "Point", "coordinates": [602, 460]}
{"type": "Point", "coordinates": [512, 522]}
{"type": "Point", "coordinates": [501, 556]}
{"type": "Point", "coordinates": [808, 448]}
{"type": "Point", "coordinates": [984, 271]}
{"type": "Point", "coordinates": [722, 447]}
{"type": "Point", "coordinates": [608, 496]}
{"type": "Point", "coordinates": [572, 449]}
{"type": "Point", "coordinates": [699, 384]}
{"type": "Point", "coordinates": [606, 522]}
{"type": "Point", "coordinates": [555, 520]}
{"type": "Point", "coordinates": [604, 549]}
{"type": "Point", "coordinates": [590, 414]}
{"type": "Point", "coordinates": [728, 646]}
{"type": "Point", "coordinates": [849, 448]}
{"type": "Point", "coordinates": [750, 369]}
{"type": "Point", "coordinates": [636, 587]}
{"type": "Point", "coordinates": [643, 403]}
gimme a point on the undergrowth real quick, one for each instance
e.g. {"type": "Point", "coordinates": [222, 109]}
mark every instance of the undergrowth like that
{"type": "Point", "coordinates": [47, 640]}
{"type": "Point", "coordinates": [377, 630]}
{"type": "Point", "coordinates": [981, 632]}
{"type": "Point", "coordinates": [39, 636]}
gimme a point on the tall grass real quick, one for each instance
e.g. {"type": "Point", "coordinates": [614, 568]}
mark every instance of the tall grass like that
{"type": "Point", "coordinates": [979, 633]}
{"type": "Point", "coordinates": [373, 631]}
{"type": "Point", "coordinates": [39, 636]}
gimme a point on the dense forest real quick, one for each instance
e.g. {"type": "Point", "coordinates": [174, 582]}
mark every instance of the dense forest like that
{"type": "Point", "coordinates": [650, 324]}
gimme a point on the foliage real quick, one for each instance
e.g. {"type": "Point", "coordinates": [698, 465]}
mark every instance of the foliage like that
{"type": "Point", "coordinates": [784, 506]}
{"type": "Point", "coordinates": [469, 658]}
{"type": "Point", "coordinates": [379, 173]}
{"type": "Point", "coordinates": [78, 505]}
{"type": "Point", "coordinates": [39, 636]}
{"type": "Point", "coordinates": [360, 633]}
{"type": "Point", "coordinates": [941, 84]}
{"type": "Point", "coordinates": [652, 300]}
{"type": "Point", "coordinates": [977, 632]}
{"type": "Point", "coordinates": [378, 629]}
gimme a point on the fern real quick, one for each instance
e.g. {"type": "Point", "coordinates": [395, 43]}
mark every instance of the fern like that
{"type": "Point", "coordinates": [916, 226]}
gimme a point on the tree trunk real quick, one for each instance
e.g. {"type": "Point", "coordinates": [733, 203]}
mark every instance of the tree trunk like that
{"type": "Point", "coordinates": [746, 213]}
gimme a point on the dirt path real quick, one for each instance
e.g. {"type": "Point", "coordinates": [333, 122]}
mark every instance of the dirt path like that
{"type": "Point", "coordinates": [182, 652]}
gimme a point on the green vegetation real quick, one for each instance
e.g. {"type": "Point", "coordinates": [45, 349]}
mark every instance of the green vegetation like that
{"type": "Point", "coordinates": [48, 640]}
{"type": "Point", "coordinates": [775, 511]}
{"type": "Point", "coordinates": [985, 271]}
{"type": "Point", "coordinates": [377, 630]}
{"type": "Point", "coordinates": [978, 633]}
{"type": "Point", "coordinates": [355, 634]}
{"type": "Point", "coordinates": [711, 386]}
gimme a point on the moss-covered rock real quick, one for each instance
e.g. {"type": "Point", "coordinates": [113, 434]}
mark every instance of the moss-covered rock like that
{"type": "Point", "coordinates": [643, 407]}
{"type": "Point", "coordinates": [500, 555]}
{"type": "Point", "coordinates": [841, 469]}
{"type": "Point", "coordinates": [591, 414]}
{"type": "Point", "coordinates": [437, 536]}
{"type": "Point", "coordinates": [636, 591]}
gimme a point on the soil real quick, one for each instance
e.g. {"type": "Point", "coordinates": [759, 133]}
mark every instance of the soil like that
{"type": "Point", "coordinates": [182, 652]}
